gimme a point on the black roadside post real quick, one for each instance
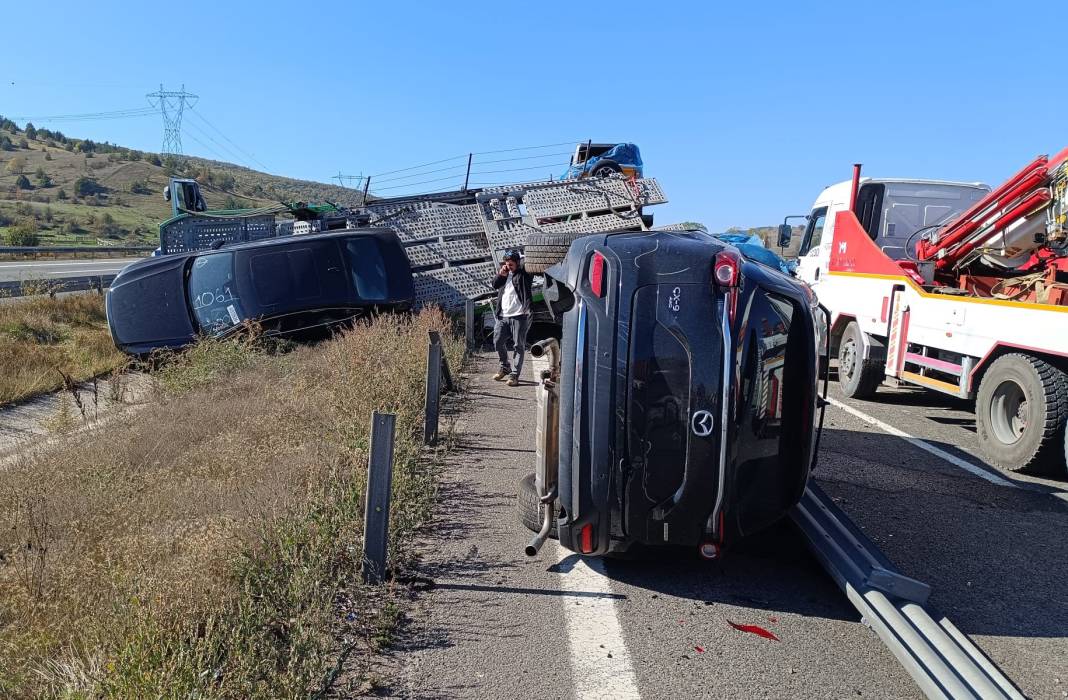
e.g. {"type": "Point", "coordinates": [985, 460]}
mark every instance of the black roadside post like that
{"type": "Point", "coordinates": [433, 393]}
{"type": "Point", "coordinates": [446, 373]}
{"type": "Point", "coordinates": [469, 323]}
{"type": "Point", "coordinates": [376, 508]}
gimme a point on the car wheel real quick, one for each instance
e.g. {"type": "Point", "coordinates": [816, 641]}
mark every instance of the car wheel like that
{"type": "Point", "coordinates": [528, 506]}
{"type": "Point", "coordinates": [1020, 414]}
{"type": "Point", "coordinates": [857, 377]}
{"type": "Point", "coordinates": [543, 250]}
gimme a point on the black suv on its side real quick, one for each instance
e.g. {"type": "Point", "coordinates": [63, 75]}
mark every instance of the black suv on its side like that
{"type": "Point", "coordinates": [292, 286]}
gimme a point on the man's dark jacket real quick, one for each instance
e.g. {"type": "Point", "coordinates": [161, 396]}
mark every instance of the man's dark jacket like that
{"type": "Point", "coordinates": [521, 280]}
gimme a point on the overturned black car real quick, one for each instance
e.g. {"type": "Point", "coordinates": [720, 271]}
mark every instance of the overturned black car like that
{"type": "Point", "coordinates": [292, 286]}
{"type": "Point", "coordinates": [680, 405]}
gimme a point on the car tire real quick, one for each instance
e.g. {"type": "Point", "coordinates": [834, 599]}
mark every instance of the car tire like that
{"type": "Point", "coordinates": [1020, 415]}
{"type": "Point", "coordinates": [606, 168]}
{"type": "Point", "coordinates": [543, 250]}
{"type": "Point", "coordinates": [527, 506]}
{"type": "Point", "coordinates": [857, 377]}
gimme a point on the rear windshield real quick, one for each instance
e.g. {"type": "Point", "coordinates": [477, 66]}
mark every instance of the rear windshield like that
{"type": "Point", "coordinates": [211, 293]}
{"type": "Point", "coordinates": [368, 268]}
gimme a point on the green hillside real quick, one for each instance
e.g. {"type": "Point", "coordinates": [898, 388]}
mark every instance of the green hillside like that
{"type": "Point", "coordinates": [58, 190]}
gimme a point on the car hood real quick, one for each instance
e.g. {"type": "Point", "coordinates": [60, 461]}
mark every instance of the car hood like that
{"type": "Point", "coordinates": [161, 279]}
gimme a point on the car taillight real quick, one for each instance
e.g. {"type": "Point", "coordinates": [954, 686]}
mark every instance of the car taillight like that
{"type": "Point", "coordinates": [597, 281]}
{"type": "Point", "coordinates": [726, 269]}
{"type": "Point", "coordinates": [586, 535]}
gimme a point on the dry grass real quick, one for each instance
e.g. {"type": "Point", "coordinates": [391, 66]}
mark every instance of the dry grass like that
{"type": "Point", "coordinates": [43, 339]}
{"type": "Point", "coordinates": [201, 547]}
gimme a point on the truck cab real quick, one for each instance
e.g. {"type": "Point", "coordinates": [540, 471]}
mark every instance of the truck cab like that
{"type": "Point", "coordinates": [894, 212]}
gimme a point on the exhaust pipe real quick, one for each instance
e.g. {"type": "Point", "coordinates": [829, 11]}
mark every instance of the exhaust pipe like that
{"type": "Point", "coordinates": [546, 525]}
{"type": "Point", "coordinates": [547, 437]}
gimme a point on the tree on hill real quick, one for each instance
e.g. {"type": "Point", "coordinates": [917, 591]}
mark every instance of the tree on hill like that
{"type": "Point", "coordinates": [5, 143]}
{"type": "Point", "coordinates": [16, 165]}
{"type": "Point", "coordinates": [43, 180]}
{"type": "Point", "coordinates": [31, 131]}
{"type": "Point", "coordinates": [24, 144]}
{"type": "Point", "coordinates": [87, 187]}
{"type": "Point", "coordinates": [153, 159]}
{"type": "Point", "coordinates": [23, 183]}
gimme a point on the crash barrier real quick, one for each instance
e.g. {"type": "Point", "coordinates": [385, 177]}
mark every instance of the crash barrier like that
{"type": "Point", "coordinates": [20, 288]}
{"type": "Point", "coordinates": [376, 507]}
{"type": "Point", "coordinates": [437, 373]}
{"type": "Point", "coordinates": [939, 657]}
{"type": "Point", "coordinates": [36, 251]}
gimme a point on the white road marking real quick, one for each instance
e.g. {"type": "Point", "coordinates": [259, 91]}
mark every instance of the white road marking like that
{"type": "Point", "coordinates": [58, 263]}
{"type": "Point", "coordinates": [926, 446]}
{"type": "Point", "coordinates": [600, 664]}
{"type": "Point", "coordinates": [93, 271]}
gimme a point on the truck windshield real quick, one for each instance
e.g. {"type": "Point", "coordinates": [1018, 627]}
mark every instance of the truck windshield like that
{"type": "Point", "coordinates": [211, 293]}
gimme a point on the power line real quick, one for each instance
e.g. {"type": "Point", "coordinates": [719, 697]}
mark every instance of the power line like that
{"type": "Point", "coordinates": [232, 154]}
{"type": "Point", "coordinates": [89, 116]}
{"type": "Point", "coordinates": [509, 170]}
{"type": "Point", "coordinates": [525, 148]}
{"type": "Point", "coordinates": [171, 104]}
{"type": "Point", "coordinates": [413, 184]}
{"type": "Point", "coordinates": [416, 167]}
{"type": "Point", "coordinates": [227, 138]}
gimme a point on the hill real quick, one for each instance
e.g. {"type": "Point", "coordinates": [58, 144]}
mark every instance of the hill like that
{"type": "Point", "coordinates": [60, 190]}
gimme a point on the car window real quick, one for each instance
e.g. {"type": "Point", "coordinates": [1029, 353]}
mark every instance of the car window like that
{"type": "Point", "coordinates": [814, 231]}
{"type": "Point", "coordinates": [368, 268]}
{"type": "Point", "coordinates": [212, 293]}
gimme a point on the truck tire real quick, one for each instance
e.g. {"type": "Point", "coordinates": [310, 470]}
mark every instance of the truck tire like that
{"type": "Point", "coordinates": [527, 506]}
{"type": "Point", "coordinates": [857, 377]}
{"type": "Point", "coordinates": [543, 250]}
{"type": "Point", "coordinates": [1020, 414]}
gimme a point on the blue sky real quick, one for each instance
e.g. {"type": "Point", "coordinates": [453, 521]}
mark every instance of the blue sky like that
{"type": "Point", "coordinates": [743, 111]}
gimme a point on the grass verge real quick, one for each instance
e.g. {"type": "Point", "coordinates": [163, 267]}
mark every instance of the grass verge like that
{"type": "Point", "coordinates": [206, 546]}
{"type": "Point", "coordinates": [46, 342]}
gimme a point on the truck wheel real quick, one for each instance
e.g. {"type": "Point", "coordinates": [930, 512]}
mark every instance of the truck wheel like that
{"type": "Point", "coordinates": [527, 506]}
{"type": "Point", "coordinates": [858, 378]}
{"type": "Point", "coordinates": [543, 250]}
{"type": "Point", "coordinates": [1020, 414]}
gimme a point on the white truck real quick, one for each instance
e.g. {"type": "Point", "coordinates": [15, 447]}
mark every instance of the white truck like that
{"type": "Point", "coordinates": [955, 288]}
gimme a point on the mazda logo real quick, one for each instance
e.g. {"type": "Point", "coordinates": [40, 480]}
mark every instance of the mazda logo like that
{"type": "Point", "coordinates": [702, 423]}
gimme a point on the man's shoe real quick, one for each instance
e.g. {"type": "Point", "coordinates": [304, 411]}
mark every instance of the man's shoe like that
{"type": "Point", "coordinates": [500, 376]}
{"type": "Point", "coordinates": [513, 380]}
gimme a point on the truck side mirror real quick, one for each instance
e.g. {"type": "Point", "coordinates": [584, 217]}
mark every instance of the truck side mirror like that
{"type": "Point", "coordinates": [786, 232]}
{"type": "Point", "coordinates": [167, 193]}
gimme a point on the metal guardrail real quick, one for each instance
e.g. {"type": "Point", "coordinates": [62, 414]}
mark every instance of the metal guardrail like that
{"type": "Point", "coordinates": [17, 250]}
{"type": "Point", "coordinates": [939, 657]}
{"type": "Point", "coordinates": [20, 288]}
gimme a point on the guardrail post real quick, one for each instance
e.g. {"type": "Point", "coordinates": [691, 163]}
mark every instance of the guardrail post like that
{"type": "Point", "coordinates": [446, 373]}
{"type": "Point", "coordinates": [433, 393]}
{"type": "Point", "coordinates": [469, 323]}
{"type": "Point", "coordinates": [376, 508]}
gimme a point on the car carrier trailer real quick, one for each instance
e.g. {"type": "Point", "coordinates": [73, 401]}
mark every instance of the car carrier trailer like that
{"type": "Point", "coordinates": [954, 288]}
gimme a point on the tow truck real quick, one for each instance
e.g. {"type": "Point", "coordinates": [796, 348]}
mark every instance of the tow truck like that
{"type": "Point", "coordinates": [955, 288]}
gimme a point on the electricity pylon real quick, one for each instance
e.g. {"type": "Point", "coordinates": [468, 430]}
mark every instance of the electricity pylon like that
{"type": "Point", "coordinates": [171, 104]}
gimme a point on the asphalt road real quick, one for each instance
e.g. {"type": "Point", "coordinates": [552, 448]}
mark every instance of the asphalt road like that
{"type": "Point", "coordinates": [17, 270]}
{"type": "Point", "coordinates": [495, 624]}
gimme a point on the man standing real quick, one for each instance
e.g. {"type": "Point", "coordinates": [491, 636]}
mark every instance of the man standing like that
{"type": "Point", "coordinates": [513, 284]}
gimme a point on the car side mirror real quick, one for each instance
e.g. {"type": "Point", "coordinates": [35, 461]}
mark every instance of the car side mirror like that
{"type": "Point", "coordinates": [167, 193]}
{"type": "Point", "coordinates": [786, 232]}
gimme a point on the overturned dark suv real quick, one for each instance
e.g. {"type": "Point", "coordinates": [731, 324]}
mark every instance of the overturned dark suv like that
{"type": "Point", "coordinates": [680, 405]}
{"type": "Point", "coordinates": [295, 286]}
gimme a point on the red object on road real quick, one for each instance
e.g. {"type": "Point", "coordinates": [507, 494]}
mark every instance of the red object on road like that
{"type": "Point", "coordinates": [699, 649]}
{"type": "Point", "coordinates": [754, 629]}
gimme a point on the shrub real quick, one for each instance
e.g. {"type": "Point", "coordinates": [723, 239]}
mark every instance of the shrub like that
{"type": "Point", "coordinates": [31, 131]}
{"type": "Point", "coordinates": [43, 180]}
{"type": "Point", "coordinates": [87, 187]}
{"type": "Point", "coordinates": [16, 165]}
{"type": "Point", "coordinates": [24, 144]}
{"type": "Point", "coordinates": [23, 183]}
{"type": "Point", "coordinates": [23, 233]}
{"type": "Point", "coordinates": [48, 155]}
{"type": "Point", "coordinates": [62, 194]}
{"type": "Point", "coordinates": [153, 159]}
